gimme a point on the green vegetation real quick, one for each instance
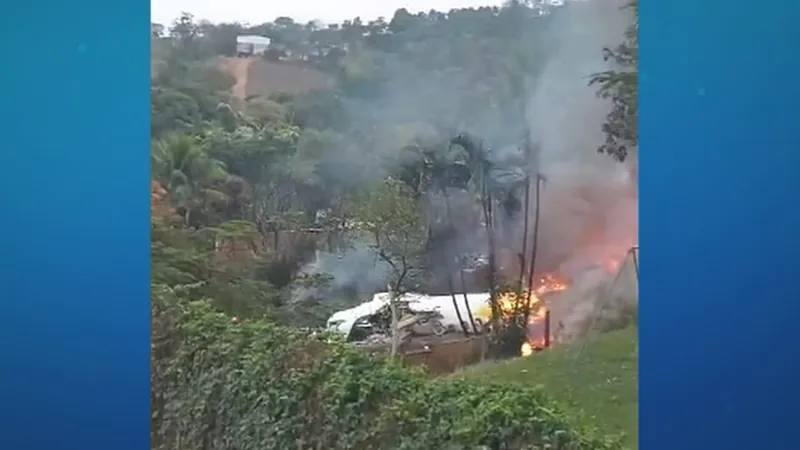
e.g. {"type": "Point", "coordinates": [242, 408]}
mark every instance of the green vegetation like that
{"type": "Point", "coordinates": [622, 87]}
{"type": "Point", "coordinates": [396, 164]}
{"type": "Point", "coordinates": [256, 386]}
{"type": "Point", "coordinates": [596, 380]}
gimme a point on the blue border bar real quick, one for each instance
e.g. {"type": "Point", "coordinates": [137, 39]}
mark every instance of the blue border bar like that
{"type": "Point", "coordinates": [76, 269]}
{"type": "Point", "coordinates": [719, 224]}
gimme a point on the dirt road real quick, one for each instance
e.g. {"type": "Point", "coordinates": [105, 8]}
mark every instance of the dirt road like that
{"type": "Point", "coordinates": [239, 68]}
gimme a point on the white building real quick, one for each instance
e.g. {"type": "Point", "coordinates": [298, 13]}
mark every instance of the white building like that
{"type": "Point", "coordinates": [251, 45]}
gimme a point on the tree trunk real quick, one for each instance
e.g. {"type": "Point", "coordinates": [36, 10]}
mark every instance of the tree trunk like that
{"type": "Point", "coordinates": [466, 301]}
{"type": "Point", "coordinates": [449, 214]}
{"type": "Point", "coordinates": [395, 332]}
{"type": "Point", "coordinates": [489, 219]}
{"type": "Point", "coordinates": [532, 267]}
{"type": "Point", "coordinates": [526, 220]}
{"type": "Point", "coordinates": [455, 304]}
{"type": "Point", "coordinates": [526, 215]}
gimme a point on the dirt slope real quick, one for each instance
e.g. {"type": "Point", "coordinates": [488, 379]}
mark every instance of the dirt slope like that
{"type": "Point", "coordinates": [268, 77]}
{"type": "Point", "coordinates": [240, 69]}
{"type": "Point", "coordinates": [255, 76]}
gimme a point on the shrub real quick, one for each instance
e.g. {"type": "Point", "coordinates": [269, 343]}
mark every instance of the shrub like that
{"type": "Point", "coordinates": [221, 385]}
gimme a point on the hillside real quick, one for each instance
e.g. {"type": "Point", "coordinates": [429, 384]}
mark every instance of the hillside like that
{"type": "Point", "coordinates": [596, 380]}
{"type": "Point", "coordinates": [258, 77]}
{"type": "Point", "coordinates": [267, 77]}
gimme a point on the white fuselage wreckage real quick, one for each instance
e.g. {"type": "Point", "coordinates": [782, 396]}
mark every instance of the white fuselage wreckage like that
{"type": "Point", "coordinates": [344, 321]}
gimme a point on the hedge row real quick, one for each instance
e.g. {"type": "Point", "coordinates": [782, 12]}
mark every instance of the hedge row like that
{"type": "Point", "coordinates": [218, 385]}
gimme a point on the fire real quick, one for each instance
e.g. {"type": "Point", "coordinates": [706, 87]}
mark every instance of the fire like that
{"type": "Point", "coordinates": [526, 350]}
{"type": "Point", "coordinates": [550, 283]}
{"type": "Point", "coordinates": [509, 303]}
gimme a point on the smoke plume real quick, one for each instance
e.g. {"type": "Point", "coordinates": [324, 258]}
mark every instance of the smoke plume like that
{"type": "Point", "coordinates": [589, 206]}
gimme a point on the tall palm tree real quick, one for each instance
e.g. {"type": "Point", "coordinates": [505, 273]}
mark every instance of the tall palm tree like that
{"type": "Point", "coordinates": [445, 175]}
{"type": "Point", "coordinates": [192, 179]}
{"type": "Point", "coordinates": [476, 159]}
{"type": "Point", "coordinates": [501, 188]}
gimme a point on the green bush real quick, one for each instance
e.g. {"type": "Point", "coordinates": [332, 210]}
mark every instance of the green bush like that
{"type": "Point", "coordinates": [219, 385]}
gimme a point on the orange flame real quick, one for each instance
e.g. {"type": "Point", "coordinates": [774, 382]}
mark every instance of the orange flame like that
{"type": "Point", "coordinates": [510, 303]}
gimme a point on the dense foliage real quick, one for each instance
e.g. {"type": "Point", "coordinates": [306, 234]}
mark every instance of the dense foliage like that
{"type": "Point", "coordinates": [222, 385]}
{"type": "Point", "coordinates": [621, 86]}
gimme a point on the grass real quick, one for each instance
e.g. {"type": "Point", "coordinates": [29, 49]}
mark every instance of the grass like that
{"type": "Point", "coordinates": [596, 380]}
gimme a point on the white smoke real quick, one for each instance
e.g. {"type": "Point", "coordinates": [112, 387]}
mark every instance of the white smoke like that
{"type": "Point", "coordinates": [589, 209]}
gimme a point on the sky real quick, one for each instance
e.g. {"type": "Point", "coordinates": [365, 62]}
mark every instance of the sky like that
{"type": "Point", "coordinates": [259, 11]}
